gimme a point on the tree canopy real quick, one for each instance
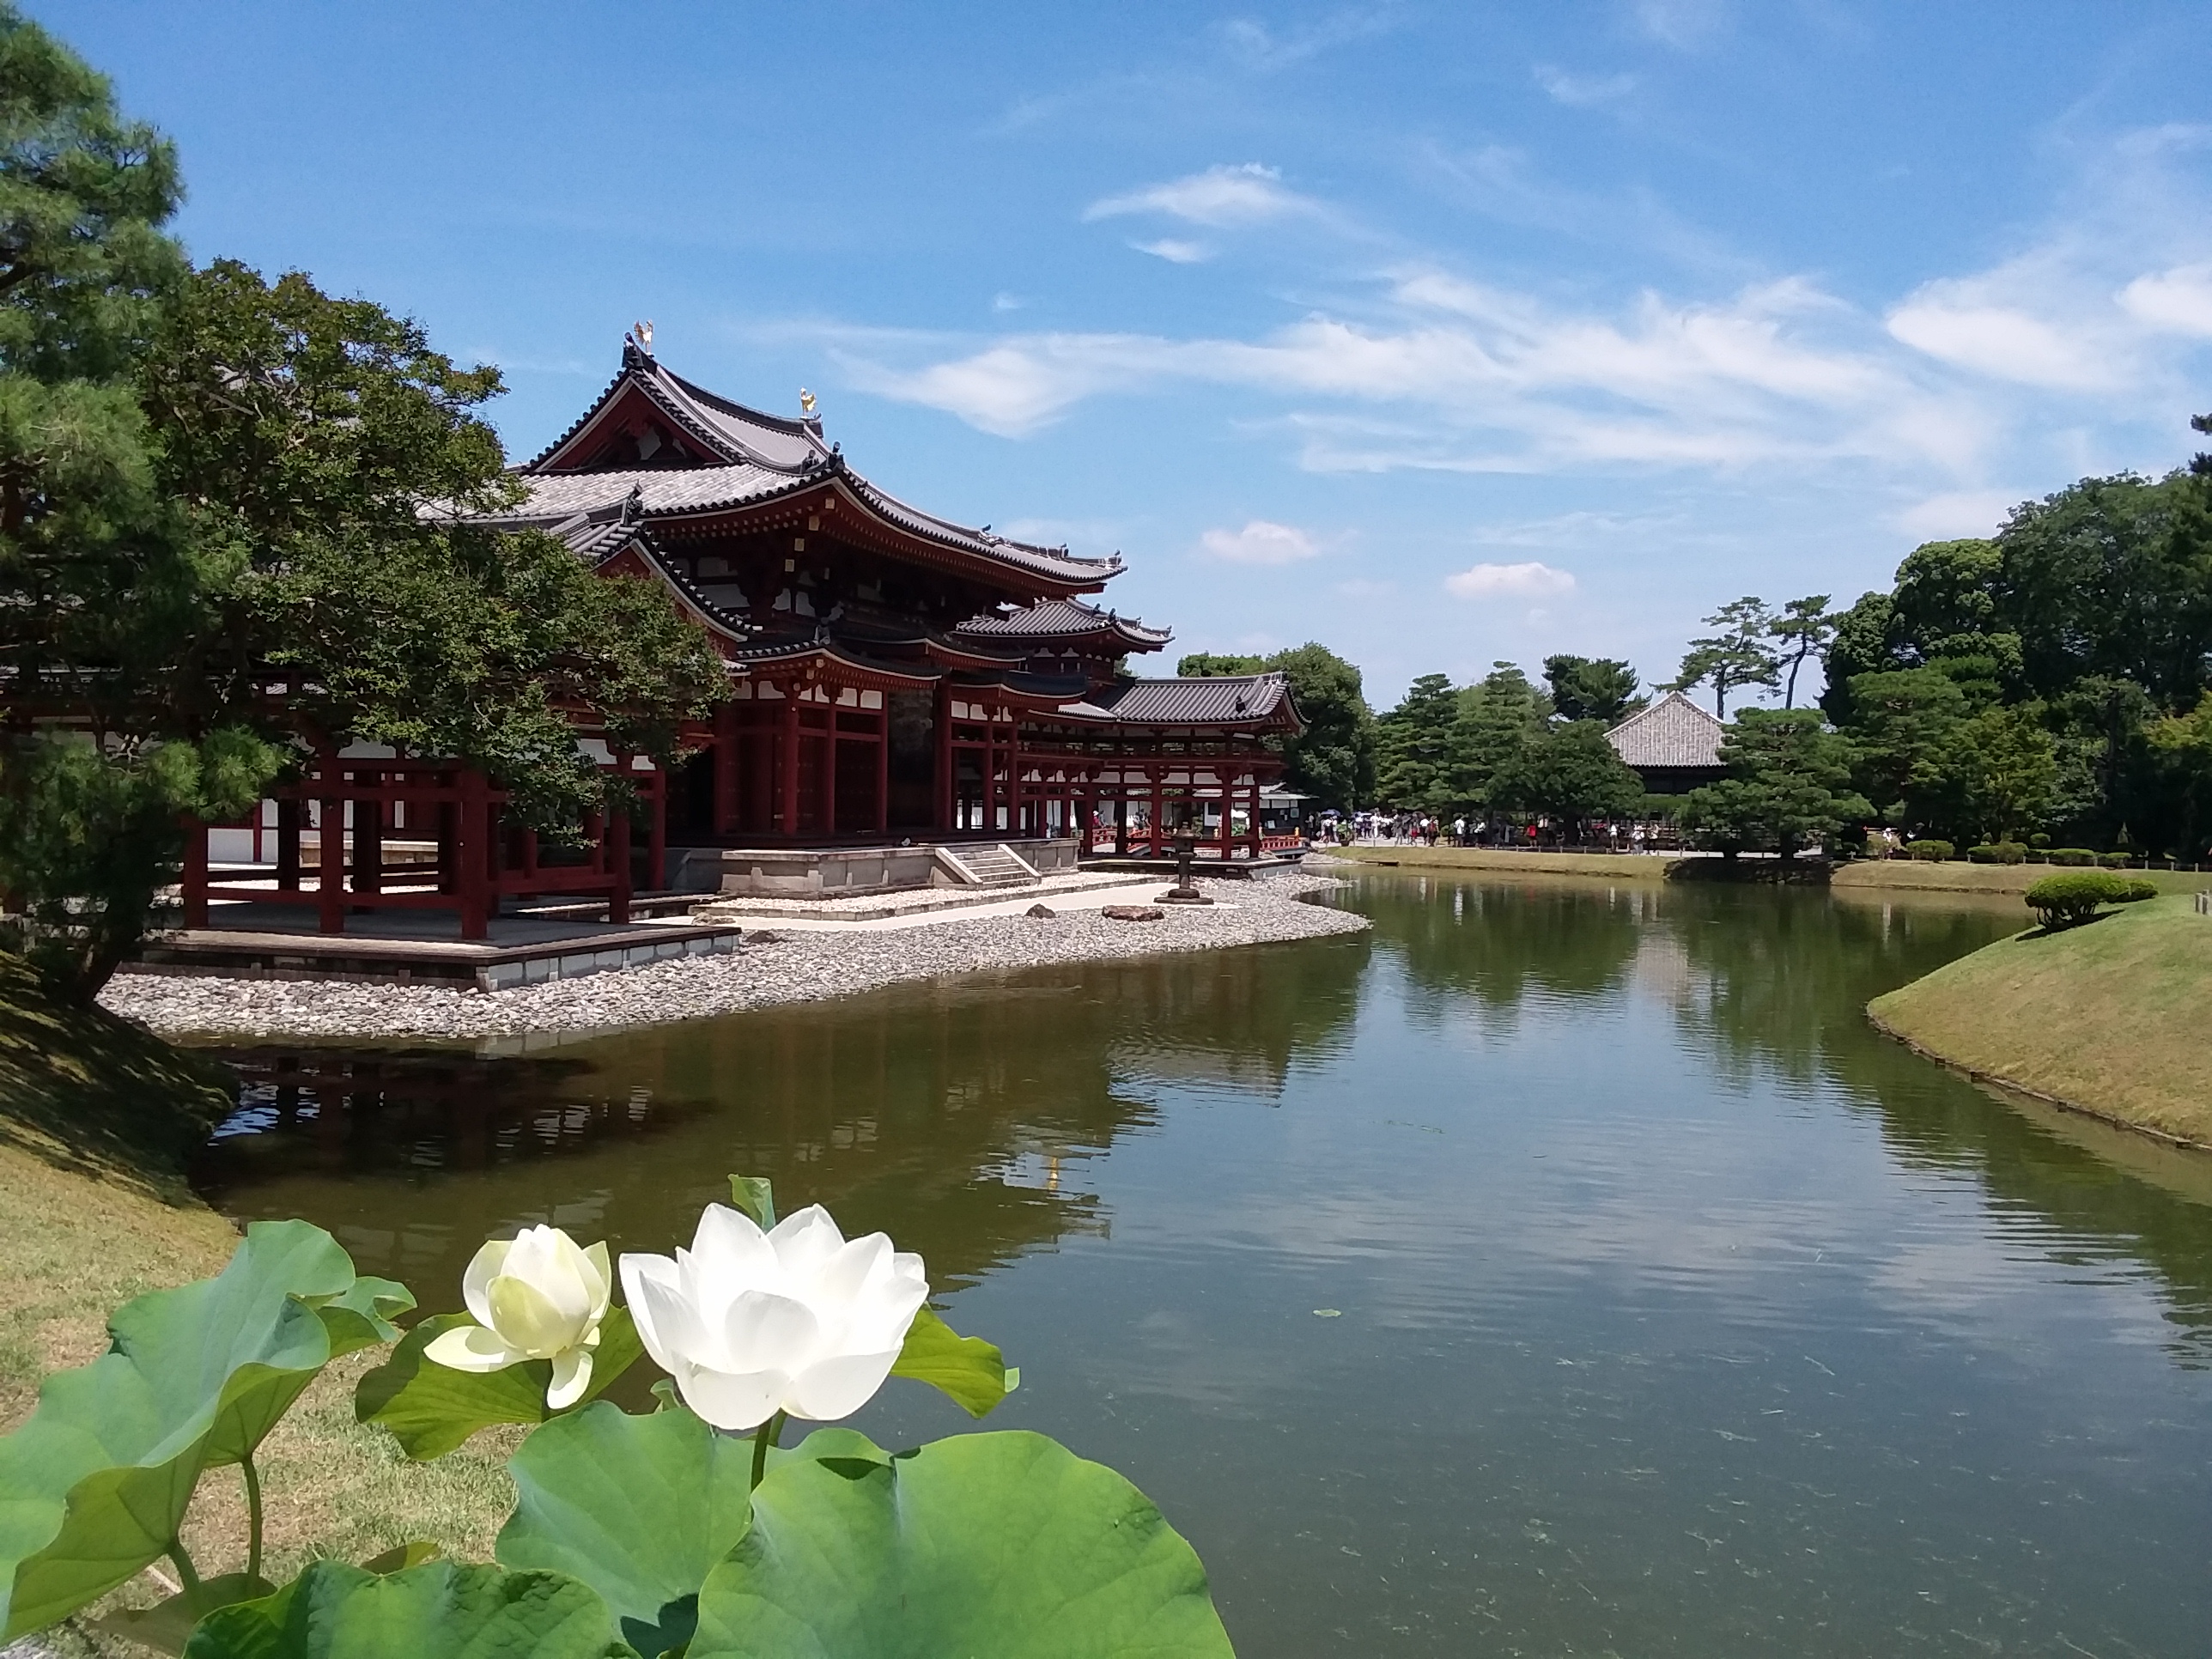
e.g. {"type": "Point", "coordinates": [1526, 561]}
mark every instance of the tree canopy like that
{"type": "Point", "coordinates": [1592, 688]}
{"type": "Point", "coordinates": [1333, 760]}
{"type": "Point", "coordinates": [1789, 785]}
{"type": "Point", "coordinates": [230, 531]}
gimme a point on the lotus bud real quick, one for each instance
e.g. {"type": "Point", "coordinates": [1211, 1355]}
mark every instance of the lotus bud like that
{"type": "Point", "coordinates": [798, 1320]}
{"type": "Point", "coordinates": [535, 1296]}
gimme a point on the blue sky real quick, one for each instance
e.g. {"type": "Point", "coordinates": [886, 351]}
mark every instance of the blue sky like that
{"type": "Point", "coordinates": [1439, 333]}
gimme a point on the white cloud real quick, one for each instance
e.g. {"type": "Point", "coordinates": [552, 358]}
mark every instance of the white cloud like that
{"type": "Point", "coordinates": [1528, 581]}
{"type": "Point", "coordinates": [1005, 301]}
{"type": "Point", "coordinates": [1261, 542]}
{"type": "Point", "coordinates": [1947, 321]}
{"type": "Point", "coordinates": [1175, 252]}
{"type": "Point", "coordinates": [1221, 196]}
{"type": "Point", "coordinates": [2177, 301]}
{"type": "Point", "coordinates": [1681, 24]}
{"type": "Point", "coordinates": [1582, 91]}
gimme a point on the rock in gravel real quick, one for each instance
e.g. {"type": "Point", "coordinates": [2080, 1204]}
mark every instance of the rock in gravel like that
{"type": "Point", "coordinates": [1133, 912]}
{"type": "Point", "coordinates": [1041, 913]}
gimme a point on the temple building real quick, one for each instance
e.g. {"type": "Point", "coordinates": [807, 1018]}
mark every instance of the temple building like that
{"type": "Point", "coordinates": [894, 677]}
{"type": "Point", "coordinates": [891, 673]}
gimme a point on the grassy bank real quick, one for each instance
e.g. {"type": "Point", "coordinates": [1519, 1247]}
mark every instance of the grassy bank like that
{"type": "Point", "coordinates": [1953, 876]}
{"type": "Point", "coordinates": [1614, 866]}
{"type": "Point", "coordinates": [95, 1118]}
{"type": "Point", "coordinates": [2102, 1017]}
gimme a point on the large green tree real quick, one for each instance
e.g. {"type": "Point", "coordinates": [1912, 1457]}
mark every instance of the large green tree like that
{"type": "Point", "coordinates": [1415, 752]}
{"type": "Point", "coordinates": [1591, 688]}
{"type": "Point", "coordinates": [1499, 716]}
{"type": "Point", "coordinates": [1569, 773]}
{"type": "Point", "coordinates": [233, 528]}
{"type": "Point", "coordinates": [1734, 655]}
{"type": "Point", "coordinates": [1789, 785]}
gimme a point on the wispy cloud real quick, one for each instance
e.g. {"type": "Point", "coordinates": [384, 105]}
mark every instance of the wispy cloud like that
{"type": "Point", "coordinates": [1684, 25]}
{"type": "Point", "coordinates": [1259, 47]}
{"type": "Point", "coordinates": [2177, 301]}
{"type": "Point", "coordinates": [1582, 91]}
{"type": "Point", "coordinates": [1261, 541]}
{"type": "Point", "coordinates": [1175, 252]}
{"type": "Point", "coordinates": [1222, 197]}
{"type": "Point", "coordinates": [1489, 582]}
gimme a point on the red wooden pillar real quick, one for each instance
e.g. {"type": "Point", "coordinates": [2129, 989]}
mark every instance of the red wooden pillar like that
{"type": "Point", "coordinates": [883, 768]}
{"type": "Point", "coordinates": [329, 877]}
{"type": "Point", "coordinates": [787, 729]}
{"type": "Point", "coordinates": [1153, 772]}
{"type": "Point", "coordinates": [1252, 823]}
{"type": "Point", "coordinates": [1015, 789]}
{"type": "Point", "coordinates": [196, 872]}
{"type": "Point", "coordinates": [828, 791]}
{"type": "Point", "coordinates": [656, 844]}
{"type": "Point", "coordinates": [617, 855]}
{"type": "Point", "coordinates": [369, 833]}
{"type": "Point", "coordinates": [472, 855]}
{"type": "Point", "coordinates": [940, 732]}
{"type": "Point", "coordinates": [726, 750]}
{"type": "Point", "coordinates": [1228, 811]}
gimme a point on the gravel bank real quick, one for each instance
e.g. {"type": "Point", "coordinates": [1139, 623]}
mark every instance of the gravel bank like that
{"type": "Point", "coordinates": [790, 967]}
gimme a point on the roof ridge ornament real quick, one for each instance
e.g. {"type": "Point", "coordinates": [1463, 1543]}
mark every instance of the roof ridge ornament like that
{"type": "Point", "coordinates": [640, 338]}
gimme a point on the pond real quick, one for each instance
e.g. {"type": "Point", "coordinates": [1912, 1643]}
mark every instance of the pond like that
{"type": "Point", "coordinates": [1559, 1269]}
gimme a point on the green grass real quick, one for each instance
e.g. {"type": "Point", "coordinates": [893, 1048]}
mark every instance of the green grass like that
{"type": "Point", "coordinates": [1617, 866]}
{"type": "Point", "coordinates": [2106, 1018]}
{"type": "Point", "coordinates": [97, 1115]}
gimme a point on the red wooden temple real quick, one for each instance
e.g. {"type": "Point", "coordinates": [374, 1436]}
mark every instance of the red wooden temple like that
{"type": "Point", "coordinates": [893, 675]}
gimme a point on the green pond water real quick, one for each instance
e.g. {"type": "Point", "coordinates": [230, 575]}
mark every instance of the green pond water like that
{"type": "Point", "coordinates": [1670, 1310]}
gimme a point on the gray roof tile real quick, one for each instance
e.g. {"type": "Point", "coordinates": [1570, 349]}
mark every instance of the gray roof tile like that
{"type": "Point", "coordinates": [1672, 732]}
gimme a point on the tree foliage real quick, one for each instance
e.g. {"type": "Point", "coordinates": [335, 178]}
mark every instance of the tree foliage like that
{"type": "Point", "coordinates": [1734, 655]}
{"type": "Point", "coordinates": [230, 532]}
{"type": "Point", "coordinates": [1788, 784]}
{"type": "Point", "coordinates": [2043, 678]}
{"type": "Point", "coordinates": [1569, 773]}
{"type": "Point", "coordinates": [1592, 688]}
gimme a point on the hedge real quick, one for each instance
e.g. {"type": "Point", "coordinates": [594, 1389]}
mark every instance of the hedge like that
{"type": "Point", "coordinates": [2072, 855]}
{"type": "Point", "coordinates": [1999, 852]}
{"type": "Point", "coordinates": [2114, 860]}
{"type": "Point", "coordinates": [2072, 896]}
{"type": "Point", "coordinates": [1930, 852]}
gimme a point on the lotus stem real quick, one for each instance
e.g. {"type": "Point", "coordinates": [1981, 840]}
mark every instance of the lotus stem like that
{"type": "Point", "coordinates": [185, 1574]}
{"type": "Point", "coordinates": [252, 1517]}
{"type": "Point", "coordinates": [767, 1435]}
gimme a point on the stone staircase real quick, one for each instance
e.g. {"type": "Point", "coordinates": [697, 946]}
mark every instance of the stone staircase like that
{"type": "Point", "coordinates": [980, 864]}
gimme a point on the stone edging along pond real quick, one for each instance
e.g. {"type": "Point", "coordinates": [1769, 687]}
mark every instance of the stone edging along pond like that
{"type": "Point", "coordinates": [770, 968]}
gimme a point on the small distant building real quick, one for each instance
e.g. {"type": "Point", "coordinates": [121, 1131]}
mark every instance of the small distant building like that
{"type": "Point", "coordinates": [1673, 745]}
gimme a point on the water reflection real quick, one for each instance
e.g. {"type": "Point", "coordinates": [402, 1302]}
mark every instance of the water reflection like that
{"type": "Point", "coordinates": [961, 1118]}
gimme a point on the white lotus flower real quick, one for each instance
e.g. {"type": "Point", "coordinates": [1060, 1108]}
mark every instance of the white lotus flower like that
{"type": "Point", "coordinates": [797, 1320]}
{"type": "Point", "coordinates": [535, 1296]}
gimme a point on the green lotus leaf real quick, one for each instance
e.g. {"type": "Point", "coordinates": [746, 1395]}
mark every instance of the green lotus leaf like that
{"type": "Point", "coordinates": [431, 1409]}
{"type": "Point", "coordinates": [94, 1485]}
{"type": "Point", "coordinates": [969, 1369]}
{"type": "Point", "coordinates": [439, 1611]}
{"type": "Point", "coordinates": [639, 1508]}
{"type": "Point", "coordinates": [1004, 1546]}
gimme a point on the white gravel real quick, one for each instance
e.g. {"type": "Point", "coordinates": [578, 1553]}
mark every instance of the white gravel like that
{"type": "Point", "coordinates": [772, 968]}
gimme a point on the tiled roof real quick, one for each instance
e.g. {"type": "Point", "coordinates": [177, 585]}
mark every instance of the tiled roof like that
{"type": "Point", "coordinates": [1672, 732]}
{"type": "Point", "coordinates": [757, 457]}
{"type": "Point", "coordinates": [1229, 700]}
{"type": "Point", "coordinates": [1066, 619]}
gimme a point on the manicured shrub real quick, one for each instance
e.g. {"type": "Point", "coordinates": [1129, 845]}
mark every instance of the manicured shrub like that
{"type": "Point", "coordinates": [2138, 890]}
{"type": "Point", "coordinates": [2114, 860]}
{"type": "Point", "coordinates": [2072, 896]}
{"type": "Point", "coordinates": [2072, 855]}
{"type": "Point", "coordinates": [1998, 851]}
{"type": "Point", "coordinates": [2037, 855]}
{"type": "Point", "coordinates": [2039, 840]}
{"type": "Point", "coordinates": [1930, 852]}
